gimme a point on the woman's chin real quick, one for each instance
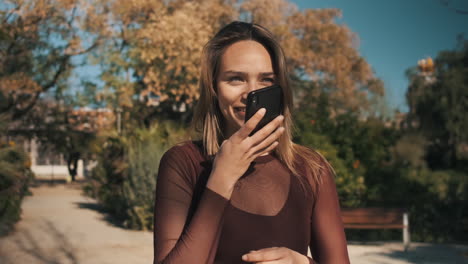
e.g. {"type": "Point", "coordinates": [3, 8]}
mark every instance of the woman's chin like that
{"type": "Point", "coordinates": [235, 122]}
{"type": "Point", "coordinates": [240, 115]}
{"type": "Point", "coordinates": [240, 122]}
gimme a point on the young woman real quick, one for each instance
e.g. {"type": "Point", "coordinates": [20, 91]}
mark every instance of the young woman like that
{"type": "Point", "coordinates": [235, 198]}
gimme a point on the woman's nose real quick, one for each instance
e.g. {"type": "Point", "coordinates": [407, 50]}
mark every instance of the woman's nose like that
{"type": "Point", "coordinates": [250, 87]}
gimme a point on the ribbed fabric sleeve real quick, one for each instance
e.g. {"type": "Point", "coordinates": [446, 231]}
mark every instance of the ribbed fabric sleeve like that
{"type": "Point", "coordinates": [173, 244]}
{"type": "Point", "coordinates": [328, 241]}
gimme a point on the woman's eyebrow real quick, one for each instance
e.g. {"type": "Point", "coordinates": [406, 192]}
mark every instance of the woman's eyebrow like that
{"type": "Point", "coordinates": [244, 73]}
{"type": "Point", "coordinates": [267, 73]}
{"type": "Point", "coordinates": [234, 72]}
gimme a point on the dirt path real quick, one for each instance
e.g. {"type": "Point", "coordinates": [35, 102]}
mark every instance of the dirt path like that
{"type": "Point", "coordinates": [59, 226]}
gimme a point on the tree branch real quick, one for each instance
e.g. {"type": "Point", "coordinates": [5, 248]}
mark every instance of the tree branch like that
{"type": "Point", "coordinates": [10, 13]}
{"type": "Point", "coordinates": [21, 112]}
{"type": "Point", "coordinates": [62, 67]}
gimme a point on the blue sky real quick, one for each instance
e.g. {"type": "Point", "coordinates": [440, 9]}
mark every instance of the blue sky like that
{"type": "Point", "coordinates": [395, 34]}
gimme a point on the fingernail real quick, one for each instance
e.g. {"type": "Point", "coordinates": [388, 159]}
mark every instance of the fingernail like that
{"type": "Point", "coordinates": [262, 111]}
{"type": "Point", "coordinates": [245, 257]}
{"type": "Point", "coordinates": [281, 117]}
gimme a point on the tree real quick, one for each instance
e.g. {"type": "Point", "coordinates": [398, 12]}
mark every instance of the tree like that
{"type": "Point", "coordinates": [38, 41]}
{"type": "Point", "coordinates": [153, 51]}
{"type": "Point", "coordinates": [438, 105]}
{"type": "Point", "coordinates": [320, 50]}
{"type": "Point", "coordinates": [15, 176]}
{"type": "Point", "coordinates": [40, 45]}
{"type": "Point", "coordinates": [65, 129]}
{"type": "Point", "coordinates": [357, 148]}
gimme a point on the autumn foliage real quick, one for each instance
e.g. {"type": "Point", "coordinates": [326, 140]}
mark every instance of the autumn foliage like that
{"type": "Point", "coordinates": [38, 41]}
{"type": "Point", "coordinates": [154, 48]}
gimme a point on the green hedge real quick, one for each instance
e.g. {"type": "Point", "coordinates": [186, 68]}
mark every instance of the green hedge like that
{"type": "Point", "coordinates": [15, 177]}
{"type": "Point", "coordinates": [124, 180]}
{"type": "Point", "coordinates": [380, 166]}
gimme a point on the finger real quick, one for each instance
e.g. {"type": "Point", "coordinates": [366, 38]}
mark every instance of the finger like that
{"type": "Point", "coordinates": [267, 129]}
{"type": "Point", "coordinates": [278, 261]}
{"type": "Point", "coordinates": [265, 151]}
{"type": "Point", "coordinates": [267, 254]}
{"type": "Point", "coordinates": [250, 125]}
{"type": "Point", "coordinates": [266, 143]}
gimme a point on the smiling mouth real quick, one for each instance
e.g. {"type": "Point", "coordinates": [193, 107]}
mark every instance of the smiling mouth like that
{"type": "Point", "coordinates": [239, 109]}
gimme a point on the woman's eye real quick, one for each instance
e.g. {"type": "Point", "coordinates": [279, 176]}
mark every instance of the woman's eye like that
{"type": "Point", "coordinates": [235, 79]}
{"type": "Point", "coordinates": [269, 80]}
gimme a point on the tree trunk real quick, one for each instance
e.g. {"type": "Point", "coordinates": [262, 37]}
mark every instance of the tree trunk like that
{"type": "Point", "coordinates": [72, 163]}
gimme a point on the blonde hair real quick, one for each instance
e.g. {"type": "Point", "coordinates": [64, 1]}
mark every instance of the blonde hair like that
{"type": "Point", "coordinates": [208, 119]}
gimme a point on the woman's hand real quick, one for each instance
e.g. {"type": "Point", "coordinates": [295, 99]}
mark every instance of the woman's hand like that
{"type": "Point", "coordinates": [236, 153]}
{"type": "Point", "coordinates": [275, 255]}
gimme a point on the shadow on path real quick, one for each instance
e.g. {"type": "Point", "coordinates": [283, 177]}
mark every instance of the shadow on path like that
{"type": "Point", "coordinates": [102, 211]}
{"type": "Point", "coordinates": [50, 247]}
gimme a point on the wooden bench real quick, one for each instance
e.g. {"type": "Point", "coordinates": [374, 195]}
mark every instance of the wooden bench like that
{"type": "Point", "coordinates": [377, 218]}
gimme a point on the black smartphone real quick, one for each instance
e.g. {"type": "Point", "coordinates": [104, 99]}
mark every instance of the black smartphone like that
{"type": "Point", "coordinates": [270, 98]}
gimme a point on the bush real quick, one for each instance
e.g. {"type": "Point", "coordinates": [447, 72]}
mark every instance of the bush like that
{"type": "Point", "coordinates": [349, 184]}
{"type": "Point", "coordinates": [15, 177]}
{"type": "Point", "coordinates": [380, 166]}
{"type": "Point", "coordinates": [125, 178]}
{"type": "Point", "coordinates": [439, 209]}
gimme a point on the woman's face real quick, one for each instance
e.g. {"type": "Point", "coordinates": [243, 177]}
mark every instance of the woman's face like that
{"type": "Point", "coordinates": [245, 66]}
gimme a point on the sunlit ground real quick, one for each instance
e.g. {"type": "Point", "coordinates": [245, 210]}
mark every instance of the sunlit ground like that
{"type": "Point", "coordinates": [60, 226]}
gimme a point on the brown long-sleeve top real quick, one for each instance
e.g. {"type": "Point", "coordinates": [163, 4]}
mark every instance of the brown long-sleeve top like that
{"type": "Point", "coordinates": [267, 208]}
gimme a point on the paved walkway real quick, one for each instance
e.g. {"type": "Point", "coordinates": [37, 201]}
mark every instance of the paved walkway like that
{"type": "Point", "coordinates": [59, 226]}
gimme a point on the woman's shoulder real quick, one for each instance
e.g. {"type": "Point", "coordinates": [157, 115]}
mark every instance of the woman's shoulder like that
{"type": "Point", "coordinates": [312, 164]}
{"type": "Point", "coordinates": [306, 155]}
{"type": "Point", "coordinates": [181, 163]}
{"type": "Point", "coordinates": [185, 151]}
